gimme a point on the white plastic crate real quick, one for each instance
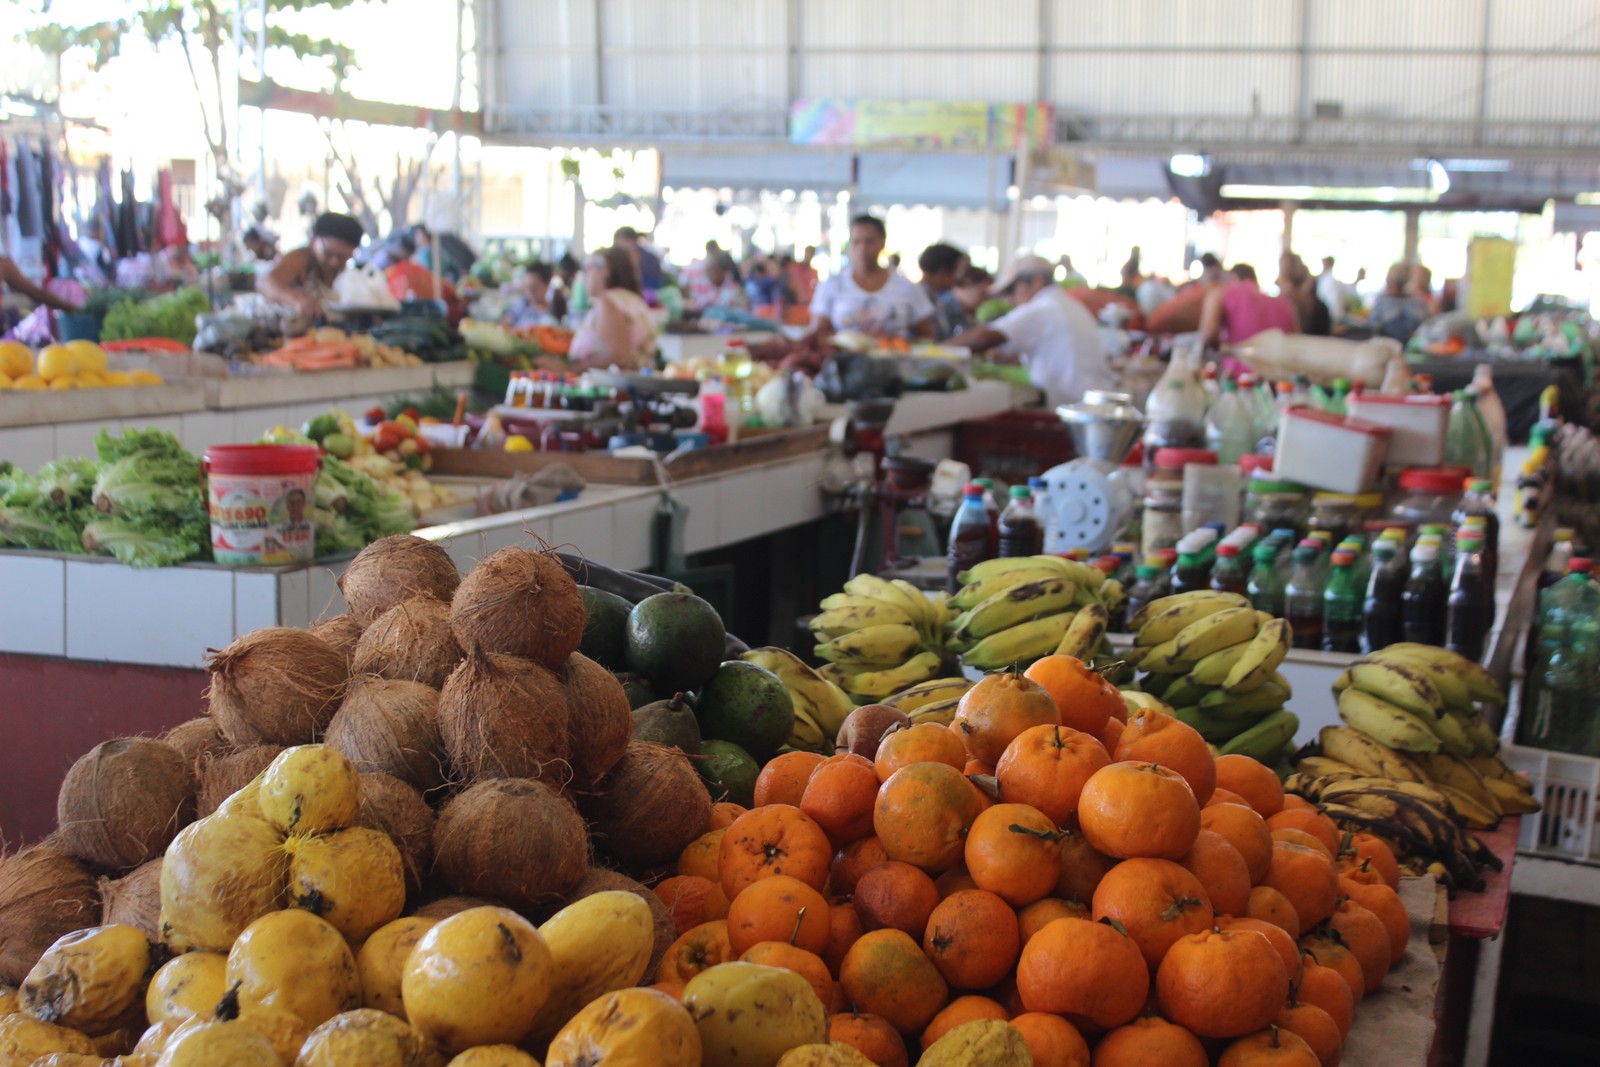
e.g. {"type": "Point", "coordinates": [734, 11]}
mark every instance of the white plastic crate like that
{"type": "Point", "coordinates": [1568, 787]}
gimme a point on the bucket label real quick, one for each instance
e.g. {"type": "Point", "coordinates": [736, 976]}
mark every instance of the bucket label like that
{"type": "Point", "coordinates": [261, 519]}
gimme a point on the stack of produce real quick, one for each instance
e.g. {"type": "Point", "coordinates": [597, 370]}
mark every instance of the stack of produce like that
{"type": "Point", "coordinates": [1016, 610]}
{"type": "Point", "coordinates": [1416, 764]}
{"type": "Point", "coordinates": [142, 502]}
{"type": "Point", "coordinates": [430, 339]}
{"type": "Point", "coordinates": [330, 348]}
{"type": "Point", "coordinates": [1213, 660]}
{"type": "Point", "coordinates": [395, 454]}
{"type": "Point", "coordinates": [74, 365]}
{"type": "Point", "coordinates": [171, 315]}
{"type": "Point", "coordinates": [879, 637]}
{"type": "Point", "coordinates": [1056, 870]}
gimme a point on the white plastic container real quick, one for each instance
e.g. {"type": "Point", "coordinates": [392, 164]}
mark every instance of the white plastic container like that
{"type": "Point", "coordinates": [1569, 788]}
{"type": "Point", "coordinates": [1341, 455]}
{"type": "Point", "coordinates": [1419, 423]}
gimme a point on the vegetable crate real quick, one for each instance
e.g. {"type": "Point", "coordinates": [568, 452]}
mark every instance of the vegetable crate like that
{"type": "Point", "coordinates": [1568, 786]}
{"type": "Point", "coordinates": [1013, 446]}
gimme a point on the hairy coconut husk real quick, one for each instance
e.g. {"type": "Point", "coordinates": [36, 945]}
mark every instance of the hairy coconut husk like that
{"type": "Point", "coordinates": [504, 717]}
{"type": "Point", "coordinates": [599, 721]}
{"type": "Point", "coordinates": [134, 899]}
{"type": "Point", "coordinates": [519, 603]}
{"type": "Point", "coordinates": [390, 805]}
{"type": "Point", "coordinates": [391, 727]}
{"type": "Point", "coordinates": [396, 568]}
{"type": "Point", "coordinates": [193, 737]}
{"type": "Point", "coordinates": [455, 904]}
{"type": "Point", "coordinates": [122, 803]}
{"type": "Point", "coordinates": [44, 893]}
{"type": "Point", "coordinates": [225, 771]}
{"type": "Point", "coordinates": [601, 879]}
{"type": "Point", "coordinates": [412, 642]}
{"type": "Point", "coordinates": [650, 807]}
{"type": "Point", "coordinates": [276, 686]}
{"type": "Point", "coordinates": [513, 839]}
{"type": "Point", "coordinates": [340, 631]}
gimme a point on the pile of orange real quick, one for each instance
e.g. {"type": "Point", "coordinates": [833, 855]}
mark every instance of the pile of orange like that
{"type": "Point", "coordinates": [1097, 878]}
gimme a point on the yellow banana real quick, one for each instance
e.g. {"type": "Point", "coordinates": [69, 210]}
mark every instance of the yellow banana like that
{"type": "Point", "coordinates": [929, 692]}
{"type": "Point", "coordinates": [1513, 798]}
{"type": "Point", "coordinates": [882, 645]}
{"type": "Point", "coordinates": [1387, 723]}
{"type": "Point", "coordinates": [839, 621]}
{"type": "Point", "coordinates": [824, 699]}
{"type": "Point", "coordinates": [943, 712]}
{"type": "Point", "coordinates": [1213, 670]}
{"type": "Point", "coordinates": [1398, 683]}
{"type": "Point", "coordinates": [1216, 632]}
{"type": "Point", "coordinates": [1447, 679]}
{"type": "Point", "coordinates": [989, 568]}
{"type": "Point", "coordinates": [1261, 660]}
{"type": "Point", "coordinates": [875, 587]}
{"type": "Point", "coordinates": [1162, 659]}
{"type": "Point", "coordinates": [1452, 735]}
{"type": "Point", "coordinates": [1083, 636]}
{"type": "Point", "coordinates": [1367, 754]}
{"type": "Point", "coordinates": [1011, 606]}
{"type": "Point", "coordinates": [807, 733]}
{"type": "Point", "coordinates": [1477, 680]}
{"type": "Point", "coordinates": [921, 607]}
{"type": "Point", "coordinates": [1454, 771]}
{"type": "Point", "coordinates": [1162, 620]}
{"type": "Point", "coordinates": [1323, 766]}
{"type": "Point", "coordinates": [882, 683]}
{"type": "Point", "coordinates": [1469, 809]}
{"type": "Point", "coordinates": [1019, 644]}
{"type": "Point", "coordinates": [970, 596]}
{"type": "Point", "coordinates": [837, 601]}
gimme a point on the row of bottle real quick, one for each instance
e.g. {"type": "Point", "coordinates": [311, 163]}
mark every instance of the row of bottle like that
{"type": "Point", "coordinates": [1563, 656]}
{"type": "Point", "coordinates": [983, 530]}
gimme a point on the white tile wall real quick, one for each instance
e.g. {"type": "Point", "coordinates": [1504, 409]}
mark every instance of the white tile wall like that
{"type": "Point", "coordinates": [29, 447]}
{"type": "Point", "coordinates": [632, 526]}
{"type": "Point", "coordinates": [34, 591]}
{"type": "Point", "coordinates": [77, 438]}
{"type": "Point", "coordinates": [586, 532]}
{"type": "Point", "coordinates": [167, 616]}
{"type": "Point", "coordinates": [255, 600]}
{"type": "Point", "coordinates": [323, 599]}
{"type": "Point", "coordinates": [200, 430]}
{"type": "Point", "coordinates": [700, 529]}
{"type": "Point", "coordinates": [294, 599]}
{"type": "Point", "coordinates": [741, 514]}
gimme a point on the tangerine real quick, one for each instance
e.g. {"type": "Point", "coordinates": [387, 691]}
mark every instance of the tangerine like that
{"type": "Point", "coordinates": [1139, 809]}
{"type": "Point", "coordinates": [1052, 1040]}
{"type": "Point", "coordinates": [1156, 901]}
{"type": "Point", "coordinates": [1306, 877]}
{"type": "Point", "coordinates": [1222, 984]}
{"type": "Point", "coordinates": [1252, 780]}
{"type": "Point", "coordinates": [1084, 698]}
{"type": "Point", "coordinates": [1014, 851]}
{"type": "Point", "coordinates": [1274, 1047]}
{"type": "Point", "coordinates": [1148, 1041]}
{"type": "Point", "coordinates": [1152, 737]}
{"type": "Point", "coordinates": [993, 712]}
{"type": "Point", "coordinates": [923, 742]}
{"type": "Point", "coordinates": [783, 780]}
{"type": "Point", "coordinates": [923, 813]}
{"type": "Point", "coordinates": [1046, 767]}
{"type": "Point", "coordinates": [1221, 871]}
{"type": "Point", "coordinates": [779, 908]}
{"type": "Point", "coordinates": [871, 1035]}
{"type": "Point", "coordinates": [972, 937]}
{"type": "Point", "coordinates": [1090, 972]}
{"type": "Point", "coordinates": [886, 973]}
{"type": "Point", "coordinates": [839, 797]}
{"type": "Point", "coordinates": [772, 840]}
{"type": "Point", "coordinates": [854, 860]}
{"type": "Point", "coordinates": [963, 1009]}
{"type": "Point", "coordinates": [897, 896]}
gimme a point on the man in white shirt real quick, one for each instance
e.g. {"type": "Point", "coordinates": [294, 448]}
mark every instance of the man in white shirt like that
{"type": "Point", "coordinates": [1052, 334]}
{"type": "Point", "coordinates": [1331, 291]}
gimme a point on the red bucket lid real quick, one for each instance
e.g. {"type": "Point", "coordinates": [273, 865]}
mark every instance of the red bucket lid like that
{"type": "Point", "coordinates": [263, 459]}
{"type": "Point", "coordinates": [1432, 479]}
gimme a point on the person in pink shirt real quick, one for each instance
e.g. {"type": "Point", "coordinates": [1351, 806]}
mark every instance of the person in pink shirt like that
{"type": "Point", "coordinates": [1239, 310]}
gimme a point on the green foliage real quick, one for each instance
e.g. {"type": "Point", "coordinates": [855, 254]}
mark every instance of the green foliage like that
{"type": "Point", "coordinates": [170, 315]}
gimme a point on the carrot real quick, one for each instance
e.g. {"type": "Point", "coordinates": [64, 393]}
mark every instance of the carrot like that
{"type": "Point", "coordinates": [146, 344]}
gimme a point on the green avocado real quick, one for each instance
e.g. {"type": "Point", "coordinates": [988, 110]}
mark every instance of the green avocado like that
{"type": "Point", "coordinates": [676, 640]}
{"type": "Point", "coordinates": [638, 689]}
{"type": "Point", "coordinates": [748, 705]}
{"type": "Point", "coordinates": [668, 722]}
{"type": "Point", "coordinates": [605, 627]}
{"type": "Point", "coordinates": [729, 771]}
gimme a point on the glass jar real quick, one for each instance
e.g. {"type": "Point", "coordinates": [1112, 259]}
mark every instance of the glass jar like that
{"type": "Point", "coordinates": [1275, 505]}
{"type": "Point", "coordinates": [1162, 525]}
{"type": "Point", "coordinates": [1343, 514]}
{"type": "Point", "coordinates": [1428, 495]}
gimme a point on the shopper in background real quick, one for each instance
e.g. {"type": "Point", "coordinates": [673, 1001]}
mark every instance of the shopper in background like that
{"type": "Point", "coordinates": [262, 246]}
{"type": "Point", "coordinates": [1296, 283]}
{"type": "Point", "coordinates": [646, 263]}
{"type": "Point", "coordinates": [1395, 312]}
{"type": "Point", "coordinates": [972, 291]}
{"type": "Point", "coordinates": [302, 282]}
{"type": "Point", "coordinates": [12, 278]}
{"type": "Point", "coordinates": [717, 286]}
{"type": "Point", "coordinates": [1070, 278]}
{"type": "Point", "coordinates": [1420, 286]}
{"type": "Point", "coordinates": [616, 331]}
{"type": "Point", "coordinates": [1153, 292]}
{"type": "Point", "coordinates": [1331, 291]}
{"type": "Point", "coordinates": [763, 282]}
{"type": "Point", "coordinates": [802, 276]}
{"type": "Point", "coordinates": [1053, 335]}
{"type": "Point", "coordinates": [532, 306]}
{"type": "Point", "coordinates": [943, 266]}
{"type": "Point", "coordinates": [1238, 310]}
{"type": "Point", "coordinates": [562, 288]}
{"type": "Point", "coordinates": [870, 297]}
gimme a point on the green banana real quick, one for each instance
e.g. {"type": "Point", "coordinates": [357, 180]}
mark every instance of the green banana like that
{"type": "Point", "coordinates": [1269, 697]}
{"type": "Point", "coordinates": [1367, 754]}
{"type": "Point", "coordinates": [1217, 631]}
{"type": "Point", "coordinates": [1214, 729]}
{"type": "Point", "coordinates": [1167, 617]}
{"type": "Point", "coordinates": [1398, 683]}
{"type": "Point", "coordinates": [1018, 644]}
{"type": "Point", "coordinates": [1213, 670]}
{"type": "Point", "coordinates": [970, 596]}
{"type": "Point", "coordinates": [1261, 660]}
{"type": "Point", "coordinates": [929, 692]}
{"type": "Point", "coordinates": [1387, 723]}
{"type": "Point", "coordinates": [1083, 636]}
{"type": "Point", "coordinates": [836, 622]}
{"type": "Point", "coordinates": [1011, 606]}
{"type": "Point", "coordinates": [882, 645]}
{"type": "Point", "coordinates": [1263, 740]}
{"type": "Point", "coordinates": [1184, 691]}
{"type": "Point", "coordinates": [875, 684]}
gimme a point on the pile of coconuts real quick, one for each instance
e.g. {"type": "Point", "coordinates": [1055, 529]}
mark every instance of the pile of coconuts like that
{"type": "Point", "coordinates": [498, 759]}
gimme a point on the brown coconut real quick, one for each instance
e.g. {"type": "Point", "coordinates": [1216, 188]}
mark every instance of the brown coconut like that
{"type": "Point", "coordinates": [455, 904]}
{"type": "Point", "coordinates": [277, 686]}
{"type": "Point", "coordinates": [650, 807]}
{"type": "Point", "coordinates": [513, 839]}
{"type": "Point", "coordinates": [412, 642]}
{"type": "Point", "coordinates": [340, 631]}
{"type": "Point", "coordinates": [601, 879]}
{"type": "Point", "coordinates": [123, 802]}
{"type": "Point", "coordinates": [193, 737]}
{"type": "Point", "coordinates": [134, 899]}
{"type": "Point", "coordinates": [225, 771]}
{"type": "Point", "coordinates": [599, 719]}
{"type": "Point", "coordinates": [504, 717]}
{"type": "Point", "coordinates": [396, 568]}
{"type": "Point", "coordinates": [392, 806]}
{"type": "Point", "coordinates": [520, 603]}
{"type": "Point", "coordinates": [391, 727]}
{"type": "Point", "coordinates": [44, 894]}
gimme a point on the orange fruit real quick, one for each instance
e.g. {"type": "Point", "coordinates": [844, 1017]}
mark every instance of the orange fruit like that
{"type": "Point", "coordinates": [1220, 795]}
{"type": "Point", "coordinates": [854, 860]}
{"type": "Point", "coordinates": [1156, 901]}
{"type": "Point", "coordinates": [1306, 877]}
{"type": "Point", "coordinates": [1287, 948]}
{"type": "Point", "coordinates": [1327, 989]}
{"type": "Point", "coordinates": [923, 742]}
{"type": "Point", "coordinates": [1150, 1041]}
{"type": "Point", "coordinates": [839, 797]}
{"type": "Point", "coordinates": [1152, 737]}
{"type": "Point", "coordinates": [807, 965]}
{"type": "Point", "coordinates": [1253, 780]}
{"type": "Point", "coordinates": [1087, 971]}
{"type": "Point", "coordinates": [972, 938]}
{"type": "Point", "coordinates": [1314, 823]}
{"type": "Point", "coordinates": [1139, 809]}
{"type": "Point", "coordinates": [1367, 938]}
{"type": "Point", "coordinates": [963, 1009]}
{"type": "Point", "coordinates": [1222, 984]}
{"type": "Point", "coordinates": [954, 881]}
{"type": "Point", "coordinates": [1081, 868]}
{"type": "Point", "coordinates": [1041, 913]}
{"type": "Point", "coordinates": [844, 930]}
{"type": "Point", "coordinates": [1084, 699]}
{"type": "Point", "coordinates": [783, 780]}
{"type": "Point", "coordinates": [1052, 1040]}
{"type": "Point", "coordinates": [897, 896]}
{"type": "Point", "coordinates": [923, 813]}
{"type": "Point", "coordinates": [1269, 1048]}
{"type": "Point", "coordinates": [1386, 904]}
{"type": "Point", "coordinates": [1300, 837]}
{"type": "Point", "coordinates": [1271, 906]}
{"type": "Point", "coordinates": [700, 948]}
{"type": "Point", "coordinates": [1246, 831]}
{"type": "Point", "coordinates": [701, 855]}
{"type": "Point", "coordinates": [724, 812]}
{"type": "Point", "coordinates": [1374, 853]}
{"type": "Point", "coordinates": [776, 839]}
{"type": "Point", "coordinates": [1330, 952]}
{"type": "Point", "coordinates": [779, 908]}
{"type": "Point", "coordinates": [886, 973]}
{"type": "Point", "coordinates": [1316, 1028]}
{"type": "Point", "coordinates": [1221, 871]}
{"type": "Point", "coordinates": [1046, 767]}
{"type": "Point", "coordinates": [1014, 851]}
{"type": "Point", "coordinates": [871, 1035]}
{"type": "Point", "coordinates": [993, 712]}
{"type": "Point", "coordinates": [685, 898]}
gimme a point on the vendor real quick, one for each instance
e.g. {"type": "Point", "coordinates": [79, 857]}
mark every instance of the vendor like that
{"type": "Point", "coordinates": [617, 330]}
{"type": "Point", "coordinates": [1239, 310]}
{"type": "Point", "coordinates": [532, 305]}
{"type": "Point", "coordinates": [12, 278]}
{"type": "Point", "coordinates": [717, 286]}
{"type": "Point", "coordinates": [943, 266]}
{"type": "Point", "coordinates": [1049, 332]}
{"type": "Point", "coordinates": [302, 282]}
{"type": "Point", "coordinates": [870, 297]}
{"type": "Point", "coordinates": [262, 246]}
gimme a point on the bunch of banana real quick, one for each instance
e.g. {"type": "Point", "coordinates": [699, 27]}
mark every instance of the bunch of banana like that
{"type": "Point", "coordinates": [1424, 804]}
{"type": "Point", "coordinates": [880, 636]}
{"type": "Point", "coordinates": [820, 707]}
{"type": "Point", "coordinates": [1016, 610]}
{"type": "Point", "coordinates": [933, 701]}
{"type": "Point", "coordinates": [1418, 698]}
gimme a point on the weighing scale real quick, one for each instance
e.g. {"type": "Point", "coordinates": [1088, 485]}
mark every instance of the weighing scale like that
{"type": "Point", "coordinates": [1088, 500]}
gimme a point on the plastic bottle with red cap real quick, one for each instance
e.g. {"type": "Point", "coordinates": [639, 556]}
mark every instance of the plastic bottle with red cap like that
{"type": "Point", "coordinates": [1341, 606]}
{"type": "Point", "coordinates": [969, 535]}
{"type": "Point", "coordinates": [1228, 575]}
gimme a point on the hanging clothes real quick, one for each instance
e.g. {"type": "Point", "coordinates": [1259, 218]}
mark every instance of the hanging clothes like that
{"type": "Point", "coordinates": [127, 229]}
{"type": "Point", "coordinates": [169, 228]}
{"type": "Point", "coordinates": [30, 216]}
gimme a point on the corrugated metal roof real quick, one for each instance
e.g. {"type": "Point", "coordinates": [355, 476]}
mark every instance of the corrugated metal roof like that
{"type": "Point", "coordinates": [1419, 25]}
{"type": "Point", "coordinates": [1418, 86]}
{"type": "Point", "coordinates": [1177, 84]}
{"type": "Point", "coordinates": [1552, 24]}
{"type": "Point", "coordinates": [947, 75]}
{"type": "Point", "coordinates": [1137, 24]}
{"type": "Point", "coordinates": [896, 24]}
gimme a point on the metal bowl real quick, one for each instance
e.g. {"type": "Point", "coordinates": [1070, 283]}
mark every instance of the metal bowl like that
{"type": "Point", "coordinates": [1104, 426]}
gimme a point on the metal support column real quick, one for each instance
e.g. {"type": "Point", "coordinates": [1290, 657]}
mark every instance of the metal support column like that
{"type": "Point", "coordinates": [1483, 72]}
{"type": "Point", "coordinates": [1413, 233]}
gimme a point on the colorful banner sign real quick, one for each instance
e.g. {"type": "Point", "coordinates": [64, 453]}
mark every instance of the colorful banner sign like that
{"type": "Point", "coordinates": [919, 124]}
{"type": "Point", "coordinates": [1491, 262]}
